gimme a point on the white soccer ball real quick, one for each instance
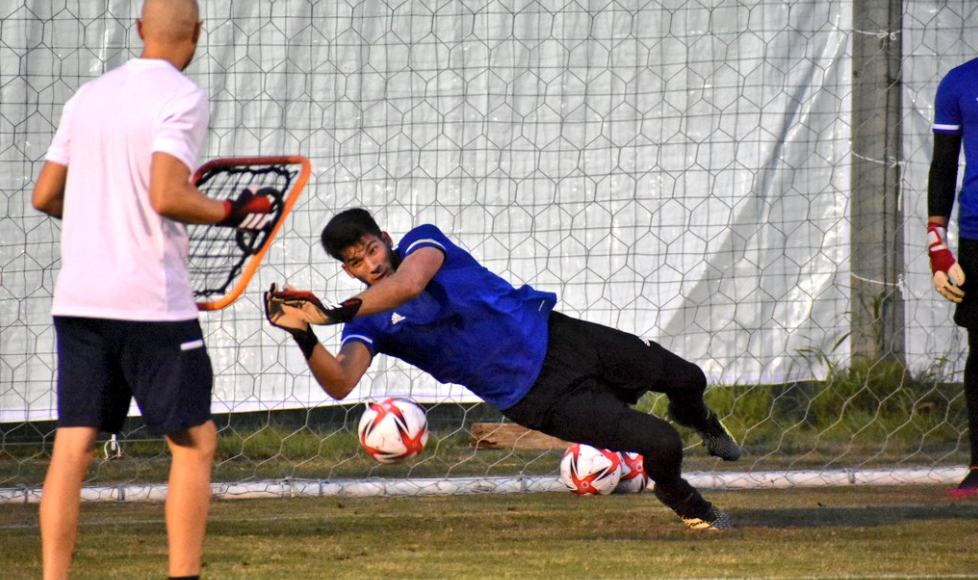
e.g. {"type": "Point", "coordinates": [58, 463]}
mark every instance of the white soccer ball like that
{"type": "Point", "coordinates": [393, 430]}
{"type": "Point", "coordinates": [589, 471]}
{"type": "Point", "coordinates": [634, 479]}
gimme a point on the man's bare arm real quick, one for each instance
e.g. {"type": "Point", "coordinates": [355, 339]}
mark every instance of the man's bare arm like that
{"type": "Point", "coordinates": [173, 196]}
{"type": "Point", "coordinates": [49, 189]}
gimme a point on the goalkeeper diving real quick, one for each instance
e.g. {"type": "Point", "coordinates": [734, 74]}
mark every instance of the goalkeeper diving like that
{"type": "Point", "coordinates": [431, 304]}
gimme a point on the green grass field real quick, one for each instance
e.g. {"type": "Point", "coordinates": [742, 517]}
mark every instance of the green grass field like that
{"type": "Point", "coordinates": [855, 532]}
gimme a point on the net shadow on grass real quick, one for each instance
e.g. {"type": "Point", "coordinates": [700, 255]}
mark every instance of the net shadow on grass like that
{"type": "Point", "coordinates": [825, 516]}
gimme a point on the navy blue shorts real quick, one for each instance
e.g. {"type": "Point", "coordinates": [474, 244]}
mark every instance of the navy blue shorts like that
{"type": "Point", "coordinates": [104, 364]}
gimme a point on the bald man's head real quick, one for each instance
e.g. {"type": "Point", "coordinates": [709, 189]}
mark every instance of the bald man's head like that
{"type": "Point", "coordinates": [170, 30]}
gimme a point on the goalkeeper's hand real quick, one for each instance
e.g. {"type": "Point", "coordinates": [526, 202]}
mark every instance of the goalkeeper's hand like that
{"type": "Point", "coordinates": [948, 275]}
{"type": "Point", "coordinates": [290, 320]}
{"type": "Point", "coordinates": [252, 210]}
{"type": "Point", "coordinates": [307, 307]}
{"type": "Point", "coordinates": [282, 316]}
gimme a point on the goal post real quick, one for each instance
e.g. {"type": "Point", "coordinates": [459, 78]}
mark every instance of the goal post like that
{"type": "Point", "coordinates": [679, 170]}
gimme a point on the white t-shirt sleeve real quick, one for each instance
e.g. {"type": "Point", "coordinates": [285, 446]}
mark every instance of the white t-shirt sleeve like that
{"type": "Point", "coordinates": [60, 149]}
{"type": "Point", "coordinates": [183, 127]}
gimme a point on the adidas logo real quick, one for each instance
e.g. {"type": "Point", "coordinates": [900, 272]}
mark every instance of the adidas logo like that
{"type": "Point", "coordinates": [395, 318]}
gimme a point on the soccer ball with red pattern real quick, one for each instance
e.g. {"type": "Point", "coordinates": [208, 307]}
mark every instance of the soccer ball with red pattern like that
{"type": "Point", "coordinates": [634, 479]}
{"type": "Point", "coordinates": [589, 471]}
{"type": "Point", "coordinates": [393, 430]}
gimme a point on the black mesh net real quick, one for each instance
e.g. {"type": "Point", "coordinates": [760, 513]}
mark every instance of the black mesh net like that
{"type": "Point", "coordinates": [219, 254]}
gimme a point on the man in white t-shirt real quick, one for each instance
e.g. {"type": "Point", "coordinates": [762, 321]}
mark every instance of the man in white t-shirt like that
{"type": "Point", "coordinates": [118, 173]}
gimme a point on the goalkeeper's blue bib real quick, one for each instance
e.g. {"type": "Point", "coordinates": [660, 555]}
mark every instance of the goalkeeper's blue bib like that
{"type": "Point", "coordinates": [956, 113]}
{"type": "Point", "coordinates": [469, 326]}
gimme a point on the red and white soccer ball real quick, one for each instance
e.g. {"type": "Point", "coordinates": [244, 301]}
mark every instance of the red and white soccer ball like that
{"type": "Point", "coordinates": [589, 471]}
{"type": "Point", "coordinates": [634, 479]}
{"type": "Point", "coordinates": [393, 430]}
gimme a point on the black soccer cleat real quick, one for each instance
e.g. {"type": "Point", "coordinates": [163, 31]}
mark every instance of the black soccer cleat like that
{"type": "Point", "coordinates": [716, 521]}
{"type": "Point", "coordinates": [697, 513]}
{"type": "Point", "coordinates": [716, 438]}
{"type": "Point", "coordinates": [968, 487]}
{"type": "Point", "coordinates": [718, 441]}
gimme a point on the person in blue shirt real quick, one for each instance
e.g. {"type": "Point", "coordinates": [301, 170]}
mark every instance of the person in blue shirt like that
{"type": "Point", "coordinates": [956, 124]}
{"type": "Point", "coordinates": [431, 304]}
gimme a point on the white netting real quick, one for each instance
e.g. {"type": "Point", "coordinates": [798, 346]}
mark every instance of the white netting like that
{"type": "Point", "coordinates": [678, 169]}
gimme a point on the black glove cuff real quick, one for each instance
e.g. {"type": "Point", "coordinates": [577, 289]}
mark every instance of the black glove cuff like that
{"type": "Point", "coordinates": [345, 311]}
{"type": "Point", "coordinates": [306, 340]}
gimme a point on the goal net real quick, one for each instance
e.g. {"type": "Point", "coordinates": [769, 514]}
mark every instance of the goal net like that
{"type": "Point", "coordinates": [679, 170]}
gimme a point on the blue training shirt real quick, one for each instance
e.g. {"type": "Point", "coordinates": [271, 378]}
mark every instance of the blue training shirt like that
{"type": "Point", "coordinates": [468, 326]}
{"type": "Point", "coordinates": [956, 113]}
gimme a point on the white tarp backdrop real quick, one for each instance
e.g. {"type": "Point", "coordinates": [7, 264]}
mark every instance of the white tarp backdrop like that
{"type": "Point", "coordinates": [678, 169]}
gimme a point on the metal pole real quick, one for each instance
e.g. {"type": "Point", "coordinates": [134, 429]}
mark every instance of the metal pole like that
{"type": "Point", "coordinates": [876, 206]}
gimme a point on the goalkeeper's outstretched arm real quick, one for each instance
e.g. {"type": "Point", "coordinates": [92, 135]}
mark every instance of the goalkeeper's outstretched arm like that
{"type": "Point", "coordinates": [392, 290]}
{"type": "Point", "coordinates": [338, 375]}
{"type": "Point", "coordinates": [404, 284]}
{"type": "Point", "coordinates": [294, 311]}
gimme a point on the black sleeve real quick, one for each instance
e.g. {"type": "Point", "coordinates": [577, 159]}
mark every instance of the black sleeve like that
{"type": "Point", "coordinates": [943, 180]}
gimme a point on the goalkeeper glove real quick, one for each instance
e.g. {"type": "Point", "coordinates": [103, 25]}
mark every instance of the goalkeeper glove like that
{"type": "Point", "coordinates": [291, 321]}
{"type": "Point", "coordinates": [315, 312]}
{"type": "Point", "coordinates": [252, 210]}
{"type": "Point", "coordinates": [948, 275]}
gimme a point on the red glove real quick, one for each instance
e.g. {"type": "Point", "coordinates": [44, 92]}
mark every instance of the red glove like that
{"type": "Point", "coordinates": [948, 275]}
{"type": "Point", "coordinates": [251, 211]}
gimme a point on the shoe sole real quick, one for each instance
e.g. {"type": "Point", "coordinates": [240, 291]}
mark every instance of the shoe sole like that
{"type": "Point", "coordinates": [721, 524]}
{"type": "Point", "coordinates": [701, 526]}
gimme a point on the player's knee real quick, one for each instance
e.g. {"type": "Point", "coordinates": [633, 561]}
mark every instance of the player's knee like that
{"type": "Point", "coordinates": [199, 442]}
{"type": "Point", "coordinates": [75, 444]}
{"type": "Point", "coordinates": [77, 455]}
{"type": "Point", "coordinates": [699, 377]}
{"type": "Point", "coordinates": [674, 373]}
{"type": "Point", "coordinates": [657, 441]}
{"type": "Point", "coordinates": [207, 448]}
{"type": "Point", "coordinates": [668, 446]}
{"type": "Point", "coordinates": [687, 378]}
{"type": "Point", "coordinates": [663, 462]}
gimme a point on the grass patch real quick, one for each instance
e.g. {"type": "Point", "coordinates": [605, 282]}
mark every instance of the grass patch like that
{"type": "Point", "coordinates": [782, 534]}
